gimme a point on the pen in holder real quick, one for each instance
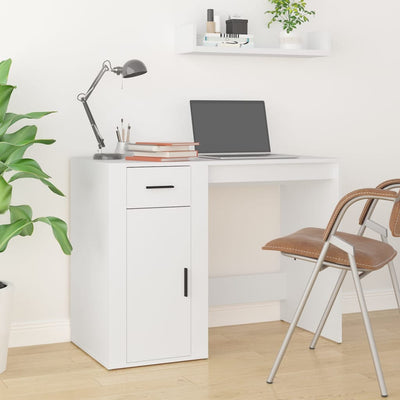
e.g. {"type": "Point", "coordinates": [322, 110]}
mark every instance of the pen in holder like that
{"type": "Point", "coordinates": [122, 138]}
{"type": "Point", "coordinates": [120, 148]}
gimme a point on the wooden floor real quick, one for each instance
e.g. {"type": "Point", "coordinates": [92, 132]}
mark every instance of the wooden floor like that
{"type": "Point", "coordinates": [240, 359]}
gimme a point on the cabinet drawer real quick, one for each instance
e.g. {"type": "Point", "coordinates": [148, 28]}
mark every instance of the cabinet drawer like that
{"type": "Point", "coordinates": [158, 187]}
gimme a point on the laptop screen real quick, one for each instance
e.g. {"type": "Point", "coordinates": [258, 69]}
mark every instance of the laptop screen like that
{"type": "Point", "coordinates": [230, 126]}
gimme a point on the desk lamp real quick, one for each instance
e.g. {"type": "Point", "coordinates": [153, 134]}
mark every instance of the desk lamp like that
{"type": "Point", "coordinates": [130, 69]}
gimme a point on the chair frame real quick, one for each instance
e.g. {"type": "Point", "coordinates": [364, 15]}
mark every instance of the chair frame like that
{"type": "Point", "coordinates": [373, 196]}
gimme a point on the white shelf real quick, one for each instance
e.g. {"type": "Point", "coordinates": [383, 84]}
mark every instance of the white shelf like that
{"type": "Point", "coordinates": [257, 51]}
{"type": "Point", "coordinates": [317, 45]}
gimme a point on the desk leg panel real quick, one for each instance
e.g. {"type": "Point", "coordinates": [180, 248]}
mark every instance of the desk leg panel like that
{"type": "Point", "coordinates": [199, 260]}
{"type": "Point", "coordinates": [309, 204]}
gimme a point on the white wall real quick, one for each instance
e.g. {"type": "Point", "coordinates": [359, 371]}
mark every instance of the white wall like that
{"type": "Point", "coordinates": [345, 105]}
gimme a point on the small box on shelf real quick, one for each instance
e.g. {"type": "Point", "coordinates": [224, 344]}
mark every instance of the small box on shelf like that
{"type": "Point", "coordinates": [237, 26]}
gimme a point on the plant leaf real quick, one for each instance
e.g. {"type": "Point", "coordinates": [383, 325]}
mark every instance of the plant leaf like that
{"type": "Point", "coordinates": [11, 118]}
{"type": "Point", "coordinates": [15, 144]}
{"type": "Point", "coordinates": [59, 228]}
{"type": "Point", "coordinates": [289, 13]}
{"type": "Point", "coordinates": [6, 149]}
{"type": "Point", "coordinates": [22, 136]}
{"type": "Point", "coordinates": [53, 188]}
{"type": "Point", "coordinates": [19, 151]}
{"type": "Point", "coordinates": [23, 212]}
{"type": "Point", "coordinates": [20, 175]}
{"type": "Point", "coordinates": [8, 231]}
{"type": "Point", "coordinates": [17, 154]}
{"type": "Point", "coordinates": [28, 165]}
{"type": "Point", "coordinates": [5, 195]}
{"type": "Point", "coordinates": [3, 167]}
{"type": "Point", "coordinates": [5, 94]}
{"type": "Point", "coordinates": [4, 70]}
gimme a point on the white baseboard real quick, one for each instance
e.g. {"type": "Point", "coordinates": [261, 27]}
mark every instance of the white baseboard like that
{"type": "Point", "coordinates": [270, 311]}
{"type": "Point", "coordinates": [239, 314]}
{"type": "Point", "coordinates": [375, 299]}
{"type": "Point", "coordinates": [46, 332]}
{"type": "Point", "coordinates": [39, 332]}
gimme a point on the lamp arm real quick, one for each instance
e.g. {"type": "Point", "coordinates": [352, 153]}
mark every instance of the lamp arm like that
{"type": "Point", "coordinates": [96, 132]}
{"type": "Point", "coordinates": [83, 97]}
{"type": "Point", "coordinates": [105, 67]}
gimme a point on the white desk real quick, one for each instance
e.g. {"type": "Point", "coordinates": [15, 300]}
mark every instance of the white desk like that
{"type": "Point", "coordinates": [139, 269]}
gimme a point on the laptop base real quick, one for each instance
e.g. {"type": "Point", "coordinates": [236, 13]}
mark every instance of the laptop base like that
{"type": "Point", "coordinates": [246, 156]}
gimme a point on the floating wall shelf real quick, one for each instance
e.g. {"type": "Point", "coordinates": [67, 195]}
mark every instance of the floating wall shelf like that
{"type": "Point", "coordinates": [317, 44]}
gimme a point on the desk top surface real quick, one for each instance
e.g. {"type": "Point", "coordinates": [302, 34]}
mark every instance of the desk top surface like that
{"type": "Point", "coordinates": [218, 162]}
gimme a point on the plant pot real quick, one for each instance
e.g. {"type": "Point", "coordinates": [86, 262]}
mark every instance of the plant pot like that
{"type": "Point", "coordinates": [290, 41]}
{"type": "Point", "coordinates": [6, 297]}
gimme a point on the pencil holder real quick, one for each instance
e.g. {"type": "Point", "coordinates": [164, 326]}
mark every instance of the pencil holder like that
{"type": "Point", "coordinates": [120, 148]}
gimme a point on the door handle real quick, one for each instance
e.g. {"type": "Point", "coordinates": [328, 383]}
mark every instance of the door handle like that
{"type": "Point", "coordinates": [160, 187]}
{"type": "Point", "coordinates": [185, 282]}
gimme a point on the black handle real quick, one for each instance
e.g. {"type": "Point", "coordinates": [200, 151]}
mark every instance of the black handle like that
{"type": "Point", "coordinates": [161, 187]}
{"type": "Point", "coordinates": [185, 282]}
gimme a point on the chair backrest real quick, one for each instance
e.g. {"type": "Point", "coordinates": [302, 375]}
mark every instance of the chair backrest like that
{"type": "Point", "coordinates": [394, 223]}
{"type": "Point", "coordinates": [389, 184]}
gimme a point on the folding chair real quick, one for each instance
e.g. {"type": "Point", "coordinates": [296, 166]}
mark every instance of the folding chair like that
{"type": "Point", "coordinates": [348, 252]}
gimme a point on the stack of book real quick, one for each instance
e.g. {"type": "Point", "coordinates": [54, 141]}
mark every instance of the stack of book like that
{"type": "Point", "coordinates": [228, 40]}
{"type": "Point", "coordinates": [161, 151]}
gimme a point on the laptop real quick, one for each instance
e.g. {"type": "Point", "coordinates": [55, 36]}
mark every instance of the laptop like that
{"type": "Point", "coordinates": [231, 129]}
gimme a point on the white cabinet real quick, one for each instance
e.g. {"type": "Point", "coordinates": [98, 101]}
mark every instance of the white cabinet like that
{"type": "Point", "coordinates": [137, 226]}
{"type": "Point", "coordinates": [139, 271]}
{"type": "Point", "coordinates": [158, 274]}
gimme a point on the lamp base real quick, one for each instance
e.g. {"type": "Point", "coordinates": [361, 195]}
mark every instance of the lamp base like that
{"type": "Point", "coordinates": [108, 156]}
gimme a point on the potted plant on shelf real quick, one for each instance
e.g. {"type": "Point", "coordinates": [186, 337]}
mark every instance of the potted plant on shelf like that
{"type": "Point", "coordinates": [291, 14]}
{"type": "Point", "coordinates": [14, 167]}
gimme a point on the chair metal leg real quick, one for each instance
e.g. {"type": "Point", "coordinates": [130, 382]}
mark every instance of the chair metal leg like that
{"type": "Point", "coordinates": [393, 276]}
{"type": "Point", "coordinates": [395, 282]}
{"type": "Point", "coordinates": [328, 309]}
{"type": "Point", "coordinates": [298, 313]}
{"type": "Point", "coordinates": [368, 328]}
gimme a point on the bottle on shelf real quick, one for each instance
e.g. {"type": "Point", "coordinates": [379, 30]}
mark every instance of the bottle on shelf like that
{"type": "Point", "coordinates": [210, 21]}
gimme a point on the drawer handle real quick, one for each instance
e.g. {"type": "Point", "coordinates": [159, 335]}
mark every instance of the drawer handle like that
{"type": "Point", "coordinates": [185, 280]}
{"type": "Point", "coordinates": [161, 187]}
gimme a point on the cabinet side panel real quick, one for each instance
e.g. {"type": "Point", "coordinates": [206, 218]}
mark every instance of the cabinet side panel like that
{"type": "Point", "coordinates": [89, 236]}
{"type": "Point", "coordinates": [117, 265]}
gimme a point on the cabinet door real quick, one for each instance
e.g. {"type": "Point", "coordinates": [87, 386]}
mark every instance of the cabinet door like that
{"type": "Point", "coordinates": [158, 291]}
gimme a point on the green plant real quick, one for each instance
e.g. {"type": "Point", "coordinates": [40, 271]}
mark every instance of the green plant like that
{"type": "Point", "coordinates": [13, 167]}
{"type": "Point", "coordinates": [290, 13]}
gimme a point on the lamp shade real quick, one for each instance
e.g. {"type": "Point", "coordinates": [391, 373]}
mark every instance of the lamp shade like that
{"type": "Point", "coordinates": [133, 68]}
